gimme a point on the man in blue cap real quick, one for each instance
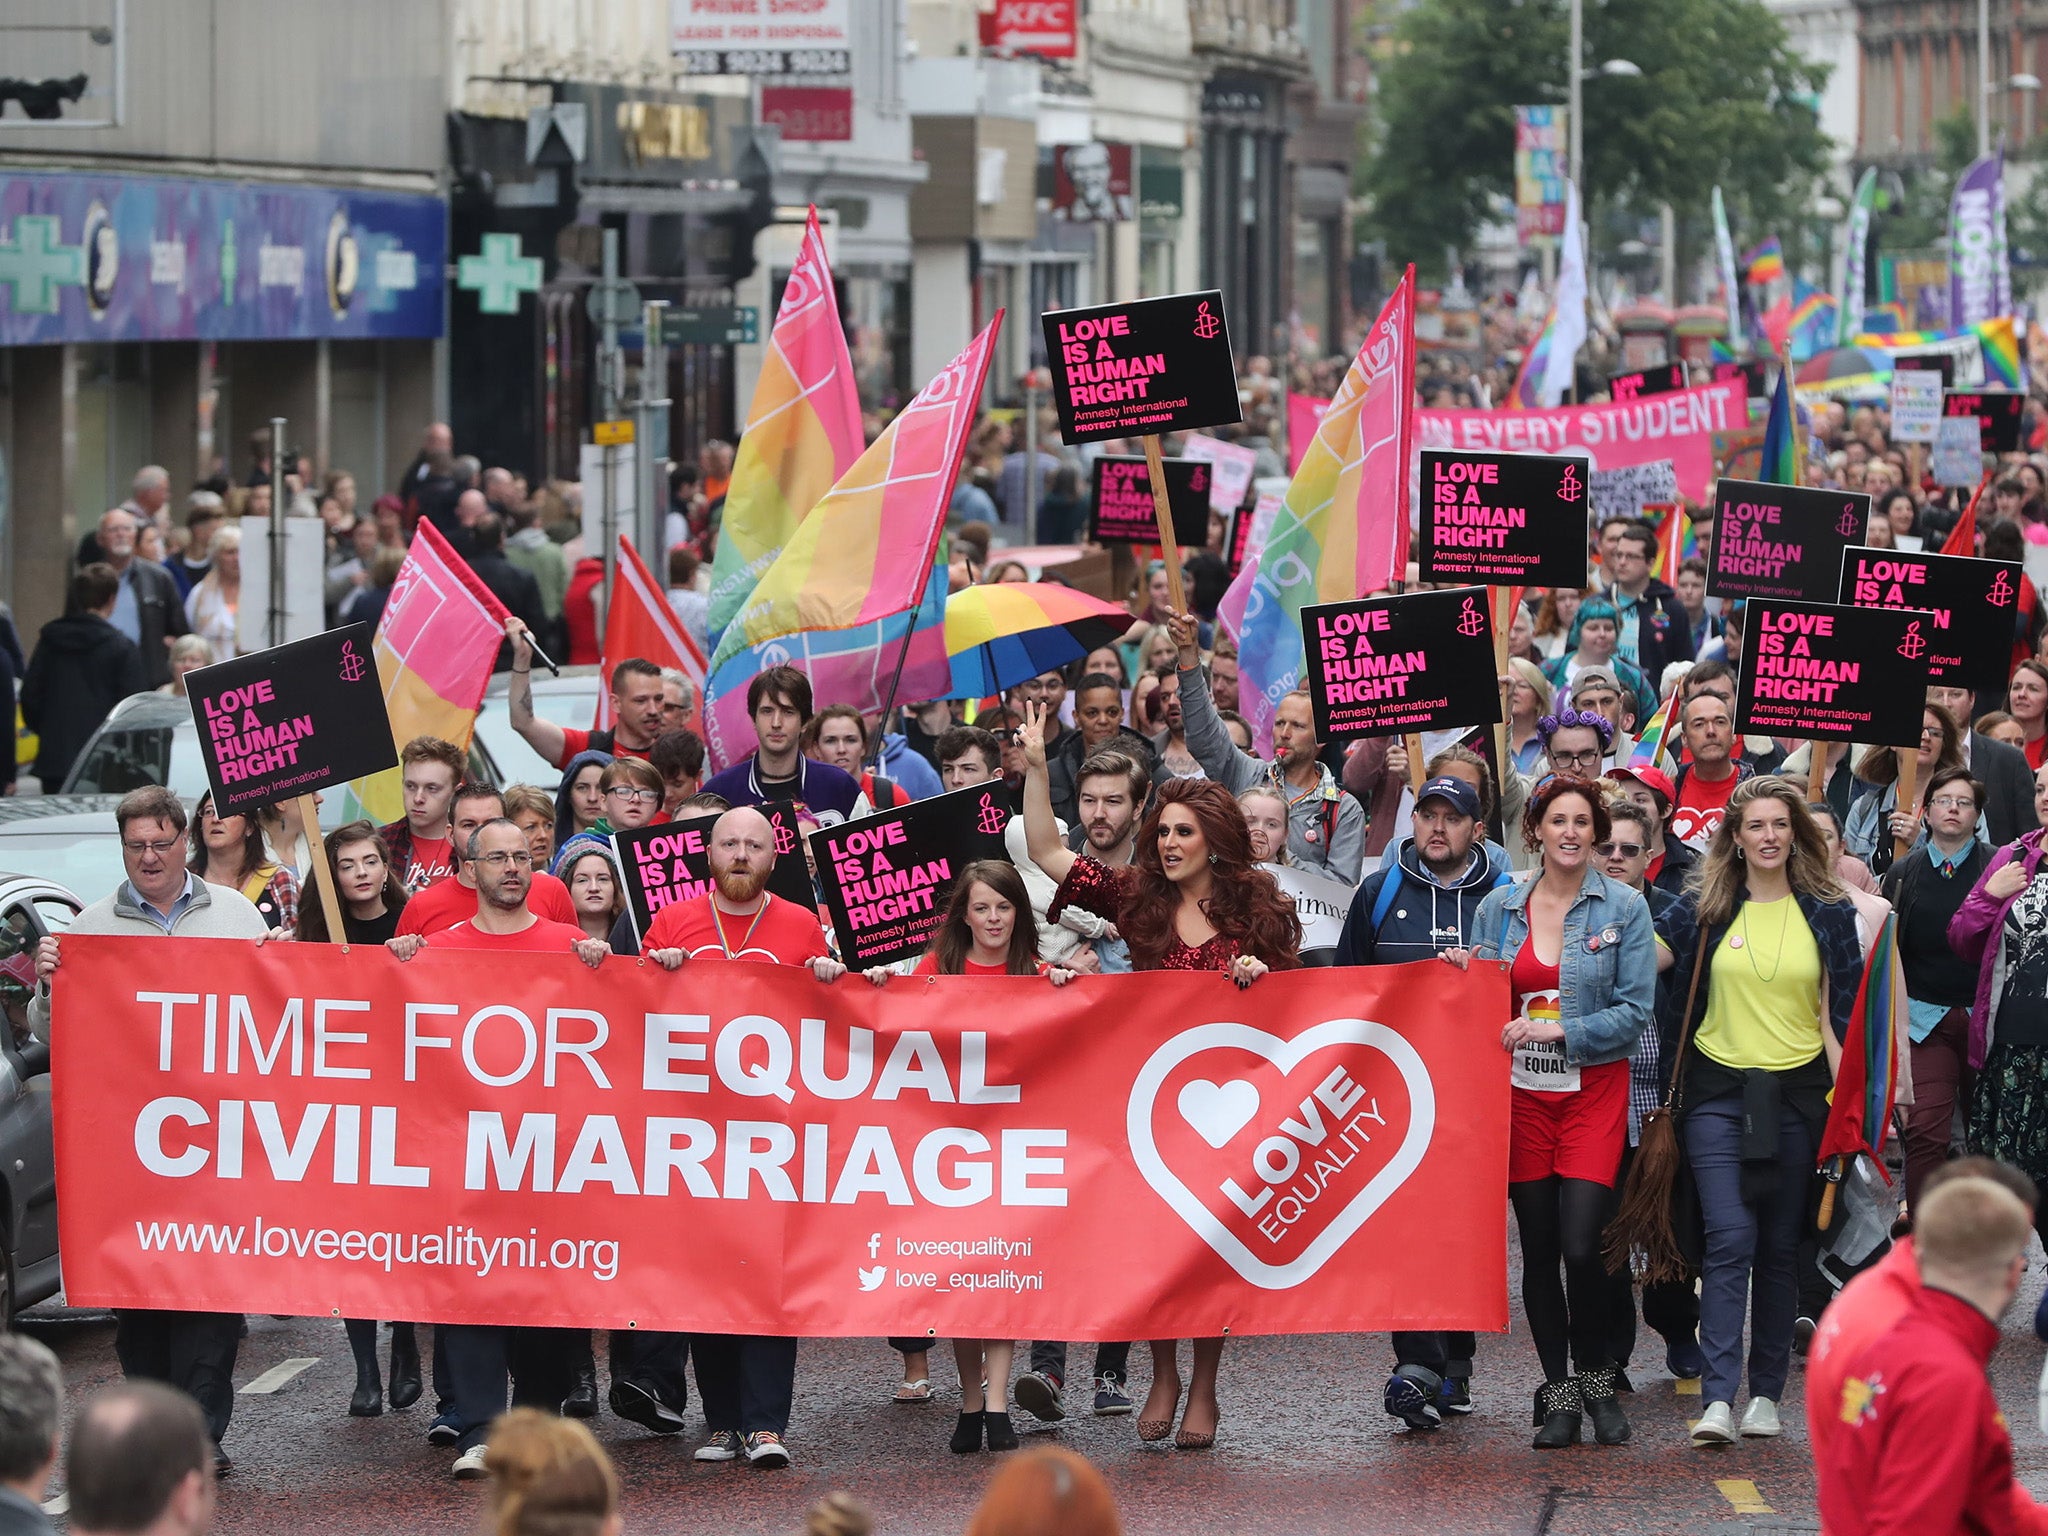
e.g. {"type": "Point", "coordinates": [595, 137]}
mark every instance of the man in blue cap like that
{"type": "Point", "coordinates": [1421, 900]}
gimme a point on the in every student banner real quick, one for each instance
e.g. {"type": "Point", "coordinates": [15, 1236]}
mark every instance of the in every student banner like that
{"type": "Point", "coordinates": [296, 718]}
{"type": "Point", "coordinates": [1834, 673]}
{"type": "Point", "coordinates": [1122, 512]}
{"type": "Point", "coordinates": [672, 862]}
{"type": "Point", "coordinates": [1383, 666]}
{"type": "Point", "coordinates": [887, 877]}
{"type": "Point", "coordinates": [1510, 519]}
{"type": "Point", "coordinates": [1679, 427]}
{"type": "Point", "coordinates": [1150, 366]}
{"type": "Point", "coordinates": [1969, 603]}
{"type": "Point", "coordinates": [513, 1139]}
{"type": "Point", "coordinates": [1782, 540]}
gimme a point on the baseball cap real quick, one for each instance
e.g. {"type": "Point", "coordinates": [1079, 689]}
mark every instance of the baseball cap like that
{"type": "Point", "coordinates": [1463, 797]}
{"type": "Point", "coordinates": [1656, 780]}
{"type": "Point", "coordinates": [1595, 677]}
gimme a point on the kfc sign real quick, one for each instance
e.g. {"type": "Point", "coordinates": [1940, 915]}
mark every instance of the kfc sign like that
{"type": "Point", "coordinates": [1043, 27]}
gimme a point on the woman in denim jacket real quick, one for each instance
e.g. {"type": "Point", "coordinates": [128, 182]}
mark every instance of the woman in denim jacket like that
{"type": "Point", "coordinates": [1783, 967]}
{"type": "Point", "coordinates": [1583, 991]}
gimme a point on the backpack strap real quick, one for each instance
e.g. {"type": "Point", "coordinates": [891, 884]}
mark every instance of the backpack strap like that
{"type": "Point", "coordinates": [1383, 903]}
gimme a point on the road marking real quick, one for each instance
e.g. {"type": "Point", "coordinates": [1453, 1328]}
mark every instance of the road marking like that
{"type": "Point", "coordinates": [1743, 1494]}
{"type": "Point", "coordinates": [1687, 1386]}
{"type": "Point", "coordinates": [279, 1374]}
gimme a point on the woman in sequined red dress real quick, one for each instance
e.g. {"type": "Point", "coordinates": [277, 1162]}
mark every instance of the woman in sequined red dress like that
{"type": "Point", "coordinates": [1192, 899]}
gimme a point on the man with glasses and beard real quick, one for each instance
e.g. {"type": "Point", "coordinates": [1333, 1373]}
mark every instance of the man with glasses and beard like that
{"type": "Point", "coordinates": [473, 1367]}
{"type": "Point", "coordinates": [747, 1381]}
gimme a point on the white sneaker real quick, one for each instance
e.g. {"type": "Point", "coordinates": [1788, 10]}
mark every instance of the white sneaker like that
{"type": "Point", "coordinates": [1716, 1426]}
{"type": "Point", "coordinates": [1760, 1419]}
{"type": "Point", "coordinates": [470, 1465]}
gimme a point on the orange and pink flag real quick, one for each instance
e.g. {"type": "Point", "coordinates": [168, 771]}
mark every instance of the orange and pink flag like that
{"type": "Point", "coordinates": [802, 433]}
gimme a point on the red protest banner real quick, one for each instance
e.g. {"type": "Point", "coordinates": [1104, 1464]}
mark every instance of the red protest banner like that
{"type": "Point", "coordinates": [739, 1148]}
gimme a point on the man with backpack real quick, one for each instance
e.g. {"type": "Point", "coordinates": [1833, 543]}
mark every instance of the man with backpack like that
{"type": "Point", "coordinates": [1420, 901]}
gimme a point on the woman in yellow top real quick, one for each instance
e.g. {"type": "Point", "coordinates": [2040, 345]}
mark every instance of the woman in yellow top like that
{"type": "Point", "coordinates": [1778, 936]}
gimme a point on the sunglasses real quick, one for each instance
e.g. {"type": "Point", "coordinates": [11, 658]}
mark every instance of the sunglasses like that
{"type": "Point", "coordinates": [1625, 850]}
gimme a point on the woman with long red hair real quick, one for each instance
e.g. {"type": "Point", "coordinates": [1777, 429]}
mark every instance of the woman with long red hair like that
{"type": "Point", "coordinates": [1192, 899]}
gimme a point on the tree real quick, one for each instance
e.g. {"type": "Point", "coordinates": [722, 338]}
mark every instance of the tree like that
{"type": "Point", "coordinates": [1722, 99]}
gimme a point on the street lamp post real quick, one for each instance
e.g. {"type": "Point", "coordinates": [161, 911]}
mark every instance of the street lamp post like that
{"type": "Point", "coordinates": [1983, 77]}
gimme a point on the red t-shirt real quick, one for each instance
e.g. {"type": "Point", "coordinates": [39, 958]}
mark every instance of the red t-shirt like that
{"type": "Point", "coordinates": [431, 859]}
{"type": "Point", "coordinates": [447, 902]}
{"type": "Point", "coordinates": [781, 933]}
{"type": "Point", "coordinates": [927, 965]}
{"type": "Point", "coordinates": [1701, 805]}
{"type": "Point", "coordinates": [541, 937]}
{"type": "Point", "coordinates": [1866, 1310]}
{"type": "Point", "coordinates": [2037, 753]}
{"type": "Point", "coordinates": [574, 742]}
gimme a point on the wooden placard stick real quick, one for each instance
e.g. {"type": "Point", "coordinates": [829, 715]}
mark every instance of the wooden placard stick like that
{"type": "Point", "coordinates": [1909, 778]}
{"type": "Point", "coordinates": [1503, 603]}
{"type": "Point", "coordinates": [323, 876]}
{"type": "Point", "coordinates": [1413, 742]}
{"type": "Point", "coordinates": [1162, 509]}
{"type": "Point", "coordinates": [1816, 749]}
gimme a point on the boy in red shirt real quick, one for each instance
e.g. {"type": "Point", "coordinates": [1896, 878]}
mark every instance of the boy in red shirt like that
{"type": "Point", "coordinates": [1918, 1444]}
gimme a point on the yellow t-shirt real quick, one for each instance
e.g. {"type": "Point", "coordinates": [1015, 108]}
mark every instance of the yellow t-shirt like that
{"type": "Point", "coordinates": [1763, 990]}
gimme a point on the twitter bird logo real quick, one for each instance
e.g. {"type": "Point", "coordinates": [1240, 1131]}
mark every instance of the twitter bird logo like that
{"type": "Point", "coordinates": [870, 1279]}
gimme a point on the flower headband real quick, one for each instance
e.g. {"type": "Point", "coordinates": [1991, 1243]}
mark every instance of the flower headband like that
{"type": "Point", "coordinates": [1575, 719]}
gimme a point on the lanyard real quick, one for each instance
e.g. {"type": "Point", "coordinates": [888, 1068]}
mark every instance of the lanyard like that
{"type": "Point", "coordinates": [718, 922]}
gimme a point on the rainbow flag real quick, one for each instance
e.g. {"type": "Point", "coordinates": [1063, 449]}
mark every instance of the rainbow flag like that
{"type": "Point", "coordinates": [1651, 744]}
{"type": "Point", "coordinates": [1781, 437]}
{"type": "Point", "coordinates": [1342, 530]}
{"type": "Point", "coordinates": [1883, 320]}
{"type": "Point", "coordinates": [1867, 1080]}
{"type": "Point", "coordinates": [1765, 264]}
{"type": "Point", "coordinates": [1997, 343]}
{"type": "Point", "coordinates": [436, 644]}
{"type": "Point", "coordinates": [802, 433]}
{"type": "Point", "coordinates": [1526, 394]}
{"type": "Point", "coordinates": [866, 549]}
{"type": "Point", "coordinates": [1675, 540]}
{"type": "Point", "coordinates": [1811, 324]}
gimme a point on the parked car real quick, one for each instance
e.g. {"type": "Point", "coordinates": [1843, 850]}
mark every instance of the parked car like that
{"type": "Point", "coordinates": [29, 909]}
{"type": "Point", "coordinates": [150, 738]}
{"type": "Point", "coordinates": [569, 700]}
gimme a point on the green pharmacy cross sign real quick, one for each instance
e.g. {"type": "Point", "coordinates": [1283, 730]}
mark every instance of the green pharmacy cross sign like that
{"type": "Point", "coordinates": [499, 275]}
{"type": "Point", "coordinates": [37, 265]}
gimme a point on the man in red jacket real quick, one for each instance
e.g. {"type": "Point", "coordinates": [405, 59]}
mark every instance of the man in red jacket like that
{"type": "Point", "coordinates": [1918, 1444]}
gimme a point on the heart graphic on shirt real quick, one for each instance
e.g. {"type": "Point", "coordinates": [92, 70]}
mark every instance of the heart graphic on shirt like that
{"type": "Point", "coordinates": [1276, 1151]}
{"type": "Point", "coordinates": [1218, 1111]}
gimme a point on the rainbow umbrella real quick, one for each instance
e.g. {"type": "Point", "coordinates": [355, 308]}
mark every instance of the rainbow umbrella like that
{"type": "Point", "coordinates": [1002, 633]}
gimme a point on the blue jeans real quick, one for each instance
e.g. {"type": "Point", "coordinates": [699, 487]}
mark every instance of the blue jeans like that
{"type": "Point", "coordinates": [1751, 1253]}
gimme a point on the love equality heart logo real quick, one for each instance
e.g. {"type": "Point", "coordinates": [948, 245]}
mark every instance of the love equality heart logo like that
{"type": "Point", "coordinates": [1276, 1151]}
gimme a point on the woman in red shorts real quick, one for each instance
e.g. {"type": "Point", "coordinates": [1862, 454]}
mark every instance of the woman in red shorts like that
{"type": "Point", "coordinates": [1582, 969]}
{"type": "Point", "coordinates": [1191, 899]}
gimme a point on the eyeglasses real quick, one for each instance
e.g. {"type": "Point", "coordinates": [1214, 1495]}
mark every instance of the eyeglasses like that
{"type": "Point", "coordinates": [162, 849]}
{"type": "Point", "coordinates": [631, 793]}
{"type": "Point", "coordinates": [1930, 733]}
{"type": "Point", "coordinates": [1953, 803]}
{"type": "Point", "coordinates": [499, 860]}
{"type": "Point", "coordinates": [1626, 850]}
{"type": "Point", "coordinates": [1590, 755]}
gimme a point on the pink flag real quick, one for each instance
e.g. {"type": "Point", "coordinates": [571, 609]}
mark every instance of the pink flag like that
{"type": "Point", "coordinates": [1304, 415]}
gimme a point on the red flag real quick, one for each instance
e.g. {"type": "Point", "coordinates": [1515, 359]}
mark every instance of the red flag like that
{"type": "Point", "coordinates": [639, 622]}
{"type": "Point", "coordinates": [1962, 539]}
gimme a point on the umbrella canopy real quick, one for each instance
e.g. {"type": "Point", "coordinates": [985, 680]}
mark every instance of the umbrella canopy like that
{"type": "Point", "coordinates": [1003, 633]}
{"type": "Point", "coordinates": [1847, 373]}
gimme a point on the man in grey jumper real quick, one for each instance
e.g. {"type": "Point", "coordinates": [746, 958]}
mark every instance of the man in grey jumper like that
{"type": "Point", "coordinates": [1325, 822]}
{"type": "Point", "coordinates": [193, 1351]}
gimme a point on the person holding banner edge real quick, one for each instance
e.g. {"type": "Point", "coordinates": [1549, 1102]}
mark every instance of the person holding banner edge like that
{"type": "Point", "coordinates": [1193, 901]}
{"type": "Point", "coordinates": [1582, 1008]}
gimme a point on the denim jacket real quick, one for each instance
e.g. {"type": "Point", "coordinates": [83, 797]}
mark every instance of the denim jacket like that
{"type": "Point", "coordinates": [1607, 969]}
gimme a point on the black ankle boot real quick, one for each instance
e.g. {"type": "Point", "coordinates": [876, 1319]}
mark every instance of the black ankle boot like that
{"type": "Point", "coordinates": [405, 1366]}
{"type": "Point", "coordinates": [1557, 1411]}
{"type": "Point", "coordinates": [967, 1434]}
{"type": "Point", "coordinates": [368, 1401]}
{"type": "Point", "coordinates": [581, 1403]}
{"type": "Point", "coordinates": [1596, 1390]}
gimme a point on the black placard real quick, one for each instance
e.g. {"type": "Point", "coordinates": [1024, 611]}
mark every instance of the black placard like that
{"type": "Point", "coordinates": [1755, 379]}
{"type": "Point", "coordinates": [1417, 661]}
{"type": "Point", "coordinates": [1943, 363]}
{"type": "Point", "coordinates": [671, 862]}
{"type": "Point", "coordinates": [1782, 541]}
{"type": "Point", "coordinates": [1150, 366]}
{"type": "Point", "coordinates": [1969, 602]}
{"type": "Point", "coordinates": [1123, 513]}
{"type": "Point", "coordinates": [1506, 519]}
{"type": "Point", "coordinates": [1664, 379]}
{"type": "Point", "coordinates": [298, 717]}
{"type": "Point", "coordinates": [888, 877]}
{"type": "Point", "coordinates": [1835, 673]}
{"type": "Point", "coordinates": [1998, 413]}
